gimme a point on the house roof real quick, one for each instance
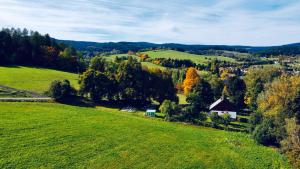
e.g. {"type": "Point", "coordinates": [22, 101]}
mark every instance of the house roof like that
{"type": "Point", "coordinates": [223, 104]}
{"type": "Point", "coordinates": [151, 111]}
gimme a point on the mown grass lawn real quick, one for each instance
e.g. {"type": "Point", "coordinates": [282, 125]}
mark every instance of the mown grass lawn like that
{"type": "Point", "coordinates": [33, 79]}
{"type": "Point", "coordinates": [50, 135]}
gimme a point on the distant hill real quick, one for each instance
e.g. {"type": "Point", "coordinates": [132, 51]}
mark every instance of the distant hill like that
{"type": "Point", "coordinates": [123, 47]}
{"type": "Point", "coordinates": [293, 44]}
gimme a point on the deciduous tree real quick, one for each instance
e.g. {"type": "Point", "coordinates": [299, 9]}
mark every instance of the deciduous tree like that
{"type": "Point", "coordinates": [192, 78]}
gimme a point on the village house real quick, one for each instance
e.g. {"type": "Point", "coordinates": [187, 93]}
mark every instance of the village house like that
{"type": "Point", "coordinates": [222, 106]}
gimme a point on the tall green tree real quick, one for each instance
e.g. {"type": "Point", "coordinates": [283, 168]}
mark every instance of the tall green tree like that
{"type": "Point", "coordinates": [96, 84]}
{"type": "Point", "coordinates": [235, 89]}
{"type": "Point", "coordinates": [98, 63]}
{"type": "Point", "coordinates": [130, 79]}
{"type": "Point", "coordinates": [201, 96]}
{"type": "Point", "coordinates": [161, 86]}
{"type": "Point", "coordinates": [217, 86]}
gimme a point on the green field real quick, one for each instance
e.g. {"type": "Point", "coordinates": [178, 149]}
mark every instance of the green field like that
{"type": "Point", "coordinates": [49, 135]}
{"type": "Point", "coordinates": [146, 64]}
{"type": "Point", "coordinates": [199, 59]}
{"type": "Point", "coordinates": [182, 99]}
{"type": "Point", "coordinates": [33, 79]}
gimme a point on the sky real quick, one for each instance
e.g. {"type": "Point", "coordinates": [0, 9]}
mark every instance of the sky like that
{"type": "Point", "coordinates": [222, 22]}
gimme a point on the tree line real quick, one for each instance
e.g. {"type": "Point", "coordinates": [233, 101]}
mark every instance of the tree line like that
{"type": "Point", "coordinates": [126, 80]}
{"type": "Point", "coordinates": [173, 63]}
{"type": "Point", "coordinates": [30, 48]}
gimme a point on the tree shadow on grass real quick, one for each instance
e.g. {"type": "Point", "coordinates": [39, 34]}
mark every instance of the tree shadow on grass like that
{"type": "Point", "coordinates": [77, 101]}
{"type": "Point", "coordinates": [236, 125]}
{"type": "Point", "coordinates": [10, 66]}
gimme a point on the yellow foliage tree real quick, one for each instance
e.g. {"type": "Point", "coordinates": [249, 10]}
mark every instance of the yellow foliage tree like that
{"type": "Point", "coordinates": [225, 74]}
{"type": "Point", "coordinates": [278, 94]}
{"type": "Point", "coordinates": [192, 78]}
{"type": "Point", "coordinates": [225, 91]}
{"type": "Point", "coordinates": [143, 56]}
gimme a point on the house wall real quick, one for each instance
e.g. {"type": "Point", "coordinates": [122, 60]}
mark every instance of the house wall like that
{"type": "Point", "coordinates": [231, 113]}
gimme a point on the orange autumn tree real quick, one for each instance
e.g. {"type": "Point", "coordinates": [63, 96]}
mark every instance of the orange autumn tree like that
{"type": "Point", "coordinates": [191, 79]}
{"type": "Point", "coordinates": [143, 56]}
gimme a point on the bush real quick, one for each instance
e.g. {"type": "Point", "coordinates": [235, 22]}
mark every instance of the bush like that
{"type": "Point", "coordinates": [226, 119]}
{"type": "Point", "coordinates": [215, 119]}
{"type": "Point", "coordinates": [242, 119]}
{"type": "Point", "coordinates": [255, 119]}
{"type": "Point", "coordinates": [60, 90]}
{"type": "Point", "coordinates": [269, 132]}
{"type": "Point", "coordinates": [168, 108]}
{"type": "Point", "coordinates": [203, 116]}
{"type": "Point", "coordinates": [291, 145]}
{"type": "Point", "coordinates": [201, 120]}
{"type": "Point", "coordinates": [190, 114]}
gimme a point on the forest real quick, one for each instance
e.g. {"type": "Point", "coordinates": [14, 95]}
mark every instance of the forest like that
{"type": "Point", "coordinates": [30, 48]}
{"type": "Point", "coordinates": [123, 47]}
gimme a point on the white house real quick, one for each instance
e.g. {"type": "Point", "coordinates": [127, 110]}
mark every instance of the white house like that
{"type": "Point", "coordinates": [223, 105]}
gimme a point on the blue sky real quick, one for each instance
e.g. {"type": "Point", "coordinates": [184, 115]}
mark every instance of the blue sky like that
{"type": "Point", "coordinates": [230, 22]}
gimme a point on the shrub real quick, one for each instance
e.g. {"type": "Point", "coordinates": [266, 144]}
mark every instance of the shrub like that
{"type": "Point", "coordinates": [190, 114]}
{"type": "Point", "coordinates": [226, 119]}
{"type": "Point", "coordinates": [60, 90]}
{"type": "Point", "coordinates": [203, 116]}
{"type": "Point", "coordinates": [268, 132]}
{"type": "Point", "coordinates": [215, 119]}
{"type": "Point", "coordinates": [242, 119]}
{"type": "Point", "coordinates": [255, 119]}
{"type": "Point", "coordinates": [291, 145]}
{"type": "Point", "coordinates": [168, 108]}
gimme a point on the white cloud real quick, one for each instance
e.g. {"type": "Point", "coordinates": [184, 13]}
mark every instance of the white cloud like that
{"type": "Point", "coordinates": [239, 22]}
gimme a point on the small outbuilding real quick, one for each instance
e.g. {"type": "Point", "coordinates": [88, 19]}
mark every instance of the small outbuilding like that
{"type": "Point", "coordinates": [222, 106]}
{"type": "Point", "coordinates": [150, 112]}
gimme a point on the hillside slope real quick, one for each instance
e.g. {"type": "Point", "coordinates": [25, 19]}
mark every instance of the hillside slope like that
{"type": "Point", "coordinates": [172, 54]}
{"type": "Point", "coordinates": [35, 135]}
{"type": "Point", "coordinates": [199, 59]}
{"type": "Point", "coordinates": [33, 79]}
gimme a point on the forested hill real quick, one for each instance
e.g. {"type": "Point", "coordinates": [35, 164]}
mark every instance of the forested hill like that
{"type": "Point", "coordinates": [123, 47]}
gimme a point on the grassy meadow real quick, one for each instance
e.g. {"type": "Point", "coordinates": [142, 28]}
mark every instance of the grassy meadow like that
{"type": "Point", "coordinates": [182, 98]}
{"type": "Point", "coordinates": [49, 135]}
{"type": "Point", "coordinates": [199, 59]}
{"type": "Point", "coordinates": [33, 79]}
{"type": "Point", "coordinates": [146, 64]}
